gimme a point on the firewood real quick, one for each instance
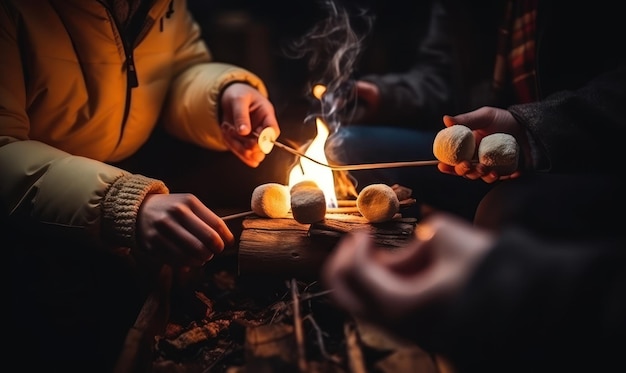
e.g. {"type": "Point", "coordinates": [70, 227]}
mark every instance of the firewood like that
{"type": "Point", "coordinates": [269, 347]}
{"type": "Point", "coordinates": [286, 248]}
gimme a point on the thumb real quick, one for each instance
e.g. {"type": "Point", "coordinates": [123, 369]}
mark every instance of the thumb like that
{"type": "Point", "coordinates": [477, 119]}
{"type": "Point", "coordinates": [241, 118]}
{"type": "Point", "coordinates": [449, 120]}
{"type": "Point", "coordinates": [464, 119]}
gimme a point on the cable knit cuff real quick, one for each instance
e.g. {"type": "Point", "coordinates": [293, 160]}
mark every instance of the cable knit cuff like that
{"type": "Point", "coordinates": [121, 204]}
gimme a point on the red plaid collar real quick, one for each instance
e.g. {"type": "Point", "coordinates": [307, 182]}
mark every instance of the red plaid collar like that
{"type": "Point", "coordinates": [515, 60]}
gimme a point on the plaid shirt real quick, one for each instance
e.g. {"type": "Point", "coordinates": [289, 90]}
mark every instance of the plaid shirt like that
{"type": "Point", "coordinates": [515, 60]}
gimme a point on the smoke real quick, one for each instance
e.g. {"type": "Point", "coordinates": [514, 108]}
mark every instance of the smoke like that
{"type": "Point", "coordinates": [332, 49]}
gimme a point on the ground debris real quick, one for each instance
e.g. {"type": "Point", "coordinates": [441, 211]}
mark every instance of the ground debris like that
{"type": "Point", "coordinates": [225, 323]}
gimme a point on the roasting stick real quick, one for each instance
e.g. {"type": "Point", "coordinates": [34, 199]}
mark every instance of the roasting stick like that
{"type": "Point", "coordinates": [267, 140]}
{"type": "Point", "coordinates": [236, 216]}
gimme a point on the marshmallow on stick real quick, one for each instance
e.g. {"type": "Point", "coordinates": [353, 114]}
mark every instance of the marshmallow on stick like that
{"type": "Point", "coordinates": [499, 151]}
{"type": "Point", "coordinates": [271, 200]}
{"type": "Point", "coordinates": [454, 144]}
{"type": "Point", "coordinates": [308, 202]}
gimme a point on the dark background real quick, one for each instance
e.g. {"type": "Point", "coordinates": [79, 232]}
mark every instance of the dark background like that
{"type": "Point", "coordinates": [254, 35]}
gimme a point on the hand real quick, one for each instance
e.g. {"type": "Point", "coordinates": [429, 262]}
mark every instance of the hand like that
{"type": "Point", "coordinates": [181, 229]}
{"type": "Point", "coordinates": [483, 122]}
{"type": "Point", "coordinates": [245, 113]}
{"type": "Point", "coordinates": [369, 94]}
{"type": "Point", "coordinates": [397, 288]}
{"type": "Point", "coordinates": [367, 102]}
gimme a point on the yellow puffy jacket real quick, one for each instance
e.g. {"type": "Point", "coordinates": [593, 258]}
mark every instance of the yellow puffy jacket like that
{"type": "Point", "coordinates": [74, 95]}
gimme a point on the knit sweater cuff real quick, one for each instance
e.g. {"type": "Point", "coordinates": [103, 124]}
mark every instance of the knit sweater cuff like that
{"type": "Point", "coordinates": [121, 205]}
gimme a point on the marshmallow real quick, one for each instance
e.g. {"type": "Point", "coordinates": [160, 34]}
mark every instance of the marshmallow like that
{"type": "Point", "coordinates": [499, 151]}
{"type": "Point", "coordinates": [304, 184]}
{"type": "Point", "coordinates": [308, 202]}
{"type": "Point", "coordinates": [271, 200]}
{"type": "Point", "coordinates": [378, 203]}
{"type": "Point", "coordinates": [454, 144]}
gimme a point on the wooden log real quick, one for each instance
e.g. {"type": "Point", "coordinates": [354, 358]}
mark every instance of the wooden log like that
{"type": "Point", "coordinates": [285, 248]}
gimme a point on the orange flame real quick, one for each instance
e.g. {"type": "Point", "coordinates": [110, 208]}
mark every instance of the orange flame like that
{"type": "Point", "coordinates": [311, 171]}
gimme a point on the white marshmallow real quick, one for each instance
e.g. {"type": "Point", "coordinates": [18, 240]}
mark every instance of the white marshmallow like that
{"type": "Point", "coordinates": [378, 203]}
{"type": "Point", "coordinates": [454, 144]}
{"type": "Point", "coordinates": [499, 151]}
{"type": "Point", "coordinates": [271, 200]}
{"type": "Point", "coordinates": [308, 202]}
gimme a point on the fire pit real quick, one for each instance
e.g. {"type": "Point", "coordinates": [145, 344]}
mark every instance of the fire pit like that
{"type": "Point", "coordinates": [286, 248]}
{"type": "Point", "coordinates": [260, 308]}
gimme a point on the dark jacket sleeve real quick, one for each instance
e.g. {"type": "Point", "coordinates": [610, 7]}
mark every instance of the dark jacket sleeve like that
{"type": "Point", "coordinates": [418, 97]}
{"type": "Point", "coordinates": [580, 130]}
{"type": "Point", "coordinates": [536, 306]}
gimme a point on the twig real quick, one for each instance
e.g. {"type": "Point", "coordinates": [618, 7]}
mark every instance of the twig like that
{"type": "Point", "coordinates": [315, 295]}
{"type": "Point", "coordinates": [236, 216]}
{"type": "Point", "coordinates": [320, 340]}
{"type": "Point", "coordinates": [355, 355]}
{"type": "Point", "coordinates": [297, 322]}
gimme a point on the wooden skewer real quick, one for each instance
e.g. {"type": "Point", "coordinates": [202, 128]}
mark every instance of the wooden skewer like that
{"type": "Point", "coordinates": [236, 216]}
{"type": "Point", "coordinates": [267, 140]}
{"type": "Point", "coordinates": [364, 166]}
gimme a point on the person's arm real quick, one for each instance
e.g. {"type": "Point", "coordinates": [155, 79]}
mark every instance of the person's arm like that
{"type": "Point", "coordinates": [417, 97]}
{"type": "Point", "coordinates": [192, 109]}
{"type": "Point", "coordinates": [545, 306]}
{"type": "Point", "coordinates": [45, 188]}
{"type": "Point", "coordinates": [488, 301]}
{"type": "Point", "coordinates": [579, 130]}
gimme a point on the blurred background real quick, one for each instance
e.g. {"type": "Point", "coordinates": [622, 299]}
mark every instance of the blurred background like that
{"type": "Point", "coordinates": [256, 35]}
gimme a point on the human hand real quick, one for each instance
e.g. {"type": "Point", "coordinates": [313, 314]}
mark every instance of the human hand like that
{"type": "Point", "coordinates": [404, 287]}
{"type": "Point", "coordinates": [181, 229]}
{"type": "Point", "coordinates": [483, 122]}
{"type": "Point", "coordinates": [245, 113]}
{"type": "Point", "coordinates": [367, 101]}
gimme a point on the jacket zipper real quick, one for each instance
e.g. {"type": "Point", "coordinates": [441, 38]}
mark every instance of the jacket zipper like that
{"type": "Point", "coordinates": [131, 71]}
{"type": "Point", "coordinates": [131, 82]}
{"type": "Point", "coordinates": [130, 68]}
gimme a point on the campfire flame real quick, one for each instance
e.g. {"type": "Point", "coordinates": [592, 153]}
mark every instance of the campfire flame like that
{"type": "Point", "coordinates": [311, 171]}
{"type": "Point", "coordinates": [333, 47]}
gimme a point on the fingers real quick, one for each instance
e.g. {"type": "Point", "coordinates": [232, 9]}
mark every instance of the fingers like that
{"type": "Point", "coordinates": [403, 261]}
{"type": "Point", "coordinates": [195, 236]}
{"type": "Point", "coordinates": [362, 286]}
{"type": "Point", "coordinates": [239, 115]}
{"type": "Point", "coordinates": [474, 171]}
{"type": "Point", "coordinates": [181, 229]}
{"type": "Point", "coordinates": [337, 270]}
{"type": "Point", "coordinates": [245, 148]}
{"type": "Point", "coordinates": [475, 120]}
{"type": "Point", "coordinates": [449, 120]}
{"type": "Point", "coordinates": [246, 113]}
{"type": "Point", "coordinates": [208, 222]}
